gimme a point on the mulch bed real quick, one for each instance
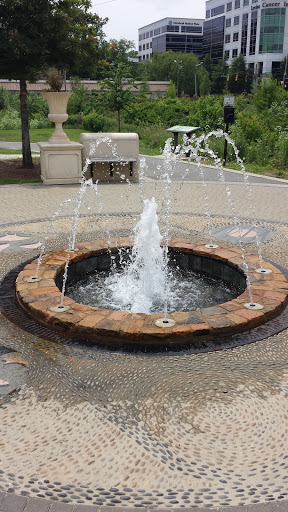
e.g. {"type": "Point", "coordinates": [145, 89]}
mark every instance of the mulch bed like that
{"type": "Point", "coordinates": [14, 169]}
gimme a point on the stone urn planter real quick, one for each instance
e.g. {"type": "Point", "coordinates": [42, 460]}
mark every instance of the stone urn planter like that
{"type": "Point", "coordinates": [57, 102]}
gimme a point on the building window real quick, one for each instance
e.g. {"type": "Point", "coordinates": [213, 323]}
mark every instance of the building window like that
{"type": "Point", "coordinates": [245, 2]}
{"type": "Point", "coordinates": [229, 7]}
{"type": "Point", "coordinates": [156, 31]}
{"type": "Point", "coordinates": [227, 54]}
{"type": "Point", "coordinates": [147, 35]}
{"type": "Point", "coordinates": [213, 38]}
{"type": "Point", "coordinates": [244, 34]}
{"type": "Point", "coordinates": [140, 48]}
{"type": "Point", "coordinates": [227, 38]}
{"type": "Point", "coordinates": [151, 33]}
{"type": "Point", "coordinates": [234, 52]}
{"type": "Point", "coordinates": [140, 37]}
{"type": "Point", "coordinates": [151, 44]}
{"type": "Point", "coordinates": [190, 29]}
{"type": "Point", "coordinates": [144, 46]}
{"type": "Point", "coordinates": [272, 30]}
{"type": "Point", "coordinates": [237, 4]}
{"type": "Point", "coordinates": [253, 32]}
{"type": "Point", "coordinates": [218, 10]}
{"type": "Point", "coordinates": [171, 28]}
{"type": "Point", "coordinates": [208, 13]}
{"type": "Point", "coordinates": [235, 36]}
{"type": "Point", "coordinates": [236, 20]}
{"type": "Point", "coordinates": [254, 1]}
{"type": "Point", "coordinates": [228, 22]}
{"type": "Point", "coordinates": [143, 58]}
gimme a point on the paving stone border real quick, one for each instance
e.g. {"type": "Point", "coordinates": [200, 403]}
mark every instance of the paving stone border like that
{"type": "Point", "coordinates": [270, 290]}
{"type": "Point", "coordinates": [13, 503]}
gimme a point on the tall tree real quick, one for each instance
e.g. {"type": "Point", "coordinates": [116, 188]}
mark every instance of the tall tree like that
{"type": "Point", "coordinates": [116, 93]}
{"type": "Point", "coordinates": [240, 77]}
{"type": "Point", "coordinates": [36, 34]}
{"type": "Point", "coordinates": [219, 77]}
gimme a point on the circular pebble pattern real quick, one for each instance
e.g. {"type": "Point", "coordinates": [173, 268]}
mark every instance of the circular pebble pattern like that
{"type": "Point", "coordinates": [92, 426]}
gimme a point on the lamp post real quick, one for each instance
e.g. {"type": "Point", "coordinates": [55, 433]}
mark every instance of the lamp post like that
{"type": "Point", "coordinates": [196, 95]}
{"type": "Point", "coordinates": [178, 62]}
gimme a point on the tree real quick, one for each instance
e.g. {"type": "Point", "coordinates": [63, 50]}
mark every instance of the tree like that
{"type": "Point", "coordinates": [205, 84]}
{"type": "Point", "coordinates": [121, 50]}
{"type": "Point", "coordinates": [240, 77]}
{"type": "Point", "coordinates": [116, 93]}
{"type": "Point", "coordinates": [219, 77]}
{"type": "Point", "coordinates": [36, 34]}
{"type": "Point", "coordinates": [177, 67]}
{"type": "Point", "coordinates": [208, 65]}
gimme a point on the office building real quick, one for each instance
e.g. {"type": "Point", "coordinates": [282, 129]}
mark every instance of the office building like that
{"type": "Point", "coordinates": [177, 34]}
{"type": "Point", "coordinates": [257, 29]}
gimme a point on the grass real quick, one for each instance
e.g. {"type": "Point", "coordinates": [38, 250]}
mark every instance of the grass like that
{"type": "Point", "coordinates": [6, 151]}
{"type": "Point", "coordinates": [39, 135]}
{"type": "Point", "coordinates": [264, 170]}
{"type": "Point", "coordinates": [15, 181]}
{"type": "Point", "coordinates": [149, 151]}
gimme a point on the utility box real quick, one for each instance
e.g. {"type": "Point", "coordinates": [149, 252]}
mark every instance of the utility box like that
{"type": "Point", "coordinates": [229, 114]}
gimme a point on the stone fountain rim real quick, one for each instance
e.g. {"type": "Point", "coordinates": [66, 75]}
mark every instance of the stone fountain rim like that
{"type": "Point", "coordinates": [121, 327]}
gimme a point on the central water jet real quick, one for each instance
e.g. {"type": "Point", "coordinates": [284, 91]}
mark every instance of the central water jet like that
{"type": "Point", "coordinates": [142, 282]}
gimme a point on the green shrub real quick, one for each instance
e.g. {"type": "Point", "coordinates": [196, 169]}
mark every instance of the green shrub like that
{"type": "Point", "coordinates": [10, 120]}
{"type": "Point", "coordinates": [207, 113]}
{"type": "Point", "coordinates": [77, 100]}
{"type": "Point", "coordinates": [40, 122]}
{"type": "Point", "coordinates": [37, 104]}
{"type": "Point", "coordinates": [281, 151]}
{"type": "Point", "coordinates": [74, 120]}
{"type": "Point", "coordinates": [250, 125]}
{"type": "Point", "coordinates": [93, 122]}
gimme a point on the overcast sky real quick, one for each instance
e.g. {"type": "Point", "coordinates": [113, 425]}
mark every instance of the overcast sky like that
{"type": "Point", "coordinates": [126, 16]}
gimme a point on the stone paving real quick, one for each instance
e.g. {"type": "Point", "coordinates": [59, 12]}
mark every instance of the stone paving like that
{"type": "Point", "coordinates": [91, 428]}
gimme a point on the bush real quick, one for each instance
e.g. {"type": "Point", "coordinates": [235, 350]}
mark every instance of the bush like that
{"type": "Point", "coordinates": [40, 122]}
{"type": "Point", "coordinates": [93, 122]}
{"type": "Point", "coordinates": [10, 120]}
{"type": "Point", "coordinates": [281, 151]}
{"type": "Point", "coordinates": [77, 101]}
{"type": "Point", "coordinates": [75, 120]}
{"type": "Point", "coordinates": [207, 113]}
{"type": "Point", "coordinates": [37, 105]}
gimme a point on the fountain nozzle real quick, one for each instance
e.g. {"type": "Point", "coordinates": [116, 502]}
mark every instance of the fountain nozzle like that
{"type": "Point", "coordinates": [165, 322]}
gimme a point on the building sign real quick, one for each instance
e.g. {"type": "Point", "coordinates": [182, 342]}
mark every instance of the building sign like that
{"type": "Point", "coordinates": [274, 4]}
{"type": "Point", "coordinates": [267, 5]}
{"type": "Point", "coordinates": [194, 23]}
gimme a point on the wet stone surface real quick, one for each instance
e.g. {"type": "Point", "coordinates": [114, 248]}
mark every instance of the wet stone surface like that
{"type": "Point", "coordinates": [95, 426]}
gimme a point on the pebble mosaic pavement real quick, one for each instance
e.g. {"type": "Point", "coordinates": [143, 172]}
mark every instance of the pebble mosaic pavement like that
{"type": "Point", "coordinates": [168, 430]}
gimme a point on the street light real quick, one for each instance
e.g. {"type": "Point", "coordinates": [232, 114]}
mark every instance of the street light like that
{"type": "Point", "coordinates": [178, 62]}
{"type": "Point", "coordinates": [196, 95]}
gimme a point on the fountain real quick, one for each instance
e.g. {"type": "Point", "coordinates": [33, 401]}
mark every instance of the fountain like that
{"type": "Point", "coordinates": [41, 286]}
{"type": "Point", "coordinates": [156, 428]}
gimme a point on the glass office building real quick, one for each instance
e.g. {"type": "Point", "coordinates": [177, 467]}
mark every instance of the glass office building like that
{"type": "Point", "coordinates": [177, 34]}
{"type": "Point", "coordinates": [257, 29]}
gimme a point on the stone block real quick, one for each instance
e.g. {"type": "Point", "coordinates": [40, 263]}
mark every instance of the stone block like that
{"type": "Point", "coordinates": [60, 163]}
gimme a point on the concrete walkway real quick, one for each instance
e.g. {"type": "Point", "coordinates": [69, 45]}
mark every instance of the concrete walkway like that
{"type": "Point", "coordinates": [13, 503]}
{"type": "Point", "coordinates": [18, 145]}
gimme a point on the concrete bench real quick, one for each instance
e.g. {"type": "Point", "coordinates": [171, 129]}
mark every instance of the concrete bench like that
{"type": "Point", "coordinates": [113, 156]}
